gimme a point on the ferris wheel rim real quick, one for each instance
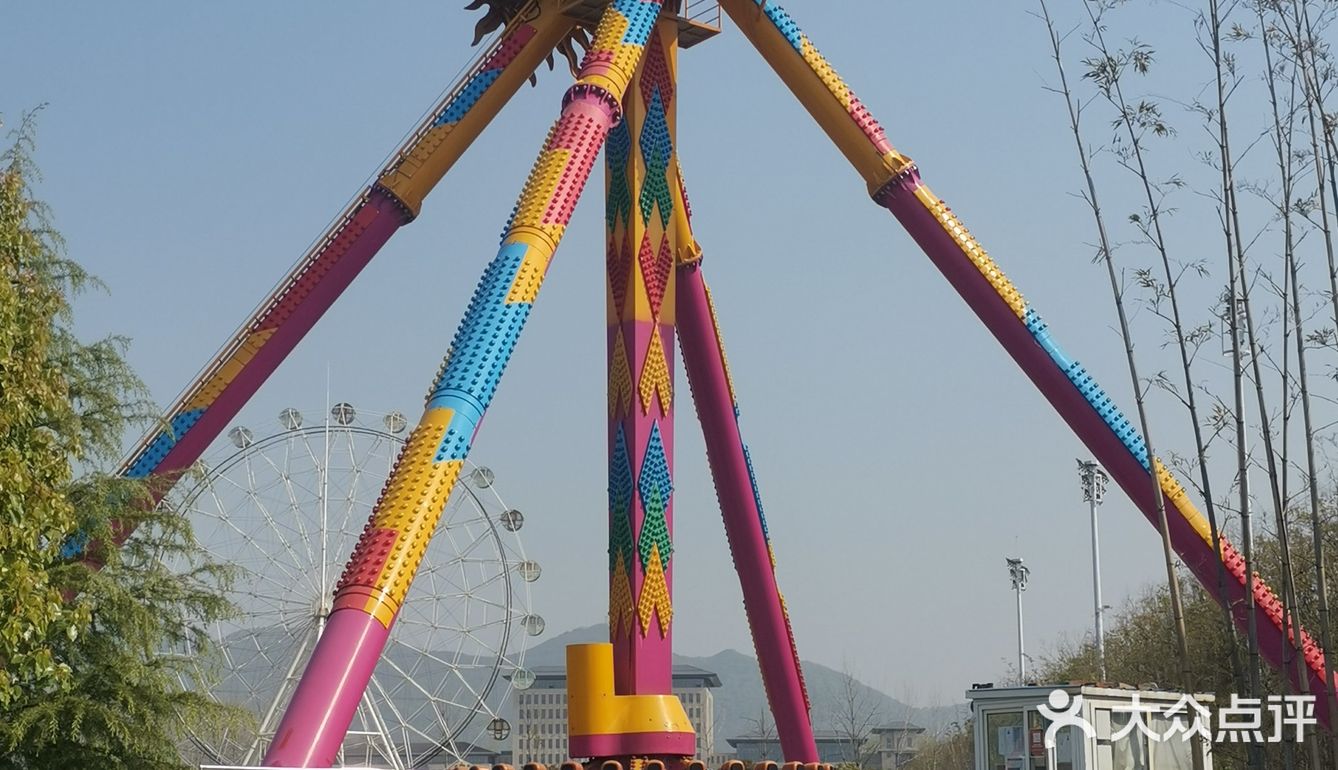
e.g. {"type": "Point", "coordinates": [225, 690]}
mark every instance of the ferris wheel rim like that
{"type": "Point", "coordinates": [506, 554]}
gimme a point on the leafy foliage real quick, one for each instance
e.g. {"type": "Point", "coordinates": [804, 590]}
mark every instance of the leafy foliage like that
{"type": "Point", "coordinates": [952, 749]}
{"type": "Point", "coordinates": [1140, 645]}
{"type": "Point", "coordinates": [39, 434]}
{"type": "Point", "coordinates": [86, 681]}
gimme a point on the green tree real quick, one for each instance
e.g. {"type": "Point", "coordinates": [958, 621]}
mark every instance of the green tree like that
{"type": "Point", "coordinates": [952, 749]}
{"type": "Point", "coordinates": [1140, 645]}
{"type": "Point", "coordinates": [86, 679]}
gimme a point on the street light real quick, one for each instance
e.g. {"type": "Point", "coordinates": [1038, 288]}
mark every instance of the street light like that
{"type": "Point", "coordinates": [1093, 492]}
{"type": "Point", "coordinates": [1019, 573]}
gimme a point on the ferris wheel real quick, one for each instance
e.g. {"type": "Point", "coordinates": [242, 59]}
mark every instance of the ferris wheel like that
{"type": "Point", "coordinates": [284, 506]}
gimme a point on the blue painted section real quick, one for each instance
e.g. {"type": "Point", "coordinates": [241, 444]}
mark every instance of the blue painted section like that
{"type": "Point", "coordinates": [469, 96]}
{"type": "Point", "coordinates": [162, 444]}
{"type": "Point", "coordinates": [482, 346]}
{"type": "Point", "coordinates": [74, 546]}
{"type": "Point", "coordinates": [617, 151]}
{"type": "Point", "coordinates": [785, 24]}
{"type": "Point", "coordinates": [622, 545]}
{"type": "Point", "coordinates": [144, 465]}
{"type": "Point", "coordinates": [641, 16]}
{"type": "Point", "coordinates": [757, 494]}
{"type": "Point", "coordinates": [1087, 386]}
{"type": "Point", "coordinates": [459, 433]}
{"type": "Point", "coordinates": [657, 147]}
{"type": "Point", "coordinates": [620, 476]}
{"type": "Point", "coordinates": [655, 487]}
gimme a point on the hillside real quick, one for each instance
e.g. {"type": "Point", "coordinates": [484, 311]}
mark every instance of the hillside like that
{"type": "Point", "coordinates": [741, 700]}
{"type": "Point", "coordinates": [739, 703]}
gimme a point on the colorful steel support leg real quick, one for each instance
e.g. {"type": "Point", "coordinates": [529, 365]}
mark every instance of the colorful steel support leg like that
{"type": "Point", "coordinates": [895, 184]}
{"type": "Point", "coordinates": [213, 400]}
{"type": "Point", "coordinates": [642, 173]}
{"type": "Point", "coordinates": [383, 564]}
{"type": "Point", "coordinates": [621, 702]}
{"type": "Point", "coordinates": [741, 505]}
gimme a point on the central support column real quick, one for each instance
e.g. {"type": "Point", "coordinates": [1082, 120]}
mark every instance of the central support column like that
{"type": "Point", "coordinates": [620, 695]}
{"type": "Point", "coordinates": [642, 244]}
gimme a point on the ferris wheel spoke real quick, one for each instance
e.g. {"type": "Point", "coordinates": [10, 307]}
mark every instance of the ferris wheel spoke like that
{"type": "Point", "coordinates": [492, 576]}
{"type": "Point", "coordinates": [407, 679]}
{"type": "Point", "coordinates": [266, 726]}
{"type": "Point", "coordinates": [470, 634]}
{"type": "Point", "coordinates": [375, 713]}
{"type": "Point", "coordinates": [246, 537]}
{"type": "Point", "coordinates": [461, 630]}
{"type": "Point", "coordinates": [261, 574]}
{"type": "Point", "coordinates": [453, 667]}
{"type": "Point", "coordinates": [294, 507]}
{"type": "Point", "coordinates": [459, 553]}
{"type": "Point", "coordinates": [466, 592]}
{"type": "Point", "coordinates": [462, 556]}
{"type": "Point", "coordinates": [304, 575]}
{"type": "Point", "coordinates": [285, 509]}
{"type": "Point", "coordinates": [320, 550]}
{"type": "Point", "coordinates": [351, 500]}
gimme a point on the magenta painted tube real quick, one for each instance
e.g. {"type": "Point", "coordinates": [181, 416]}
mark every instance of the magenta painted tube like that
{"type": "Point", "coordinates": [704, 362]}
{"type": "Point", "coordinates": [1087, 424]}
{"type": "Point", "coordinates": [375, 220]}
{"type": "Point", "coordinates": [323, 705]}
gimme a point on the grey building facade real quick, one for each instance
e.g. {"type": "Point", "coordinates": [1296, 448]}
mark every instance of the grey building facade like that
{"type": "Point", "coordinates": [540, 734]}
{"type": "Point", "coordinates": [887, 747]}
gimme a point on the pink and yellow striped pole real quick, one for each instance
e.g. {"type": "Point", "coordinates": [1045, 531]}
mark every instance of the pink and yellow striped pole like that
{"type": "Point", "coordinates": [383, 564]}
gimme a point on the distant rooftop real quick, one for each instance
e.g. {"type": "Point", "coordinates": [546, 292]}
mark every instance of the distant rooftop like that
{"type": "Point", "coordinates": [988, 692]}
{"type": "Point", "coordinates": [826, 736]}
{"type": "Point", "coordinates": [899, 726]}
{"type": "Point", "coordinates": [684, 676]}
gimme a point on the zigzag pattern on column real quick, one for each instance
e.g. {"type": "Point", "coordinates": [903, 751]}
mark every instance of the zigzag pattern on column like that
{"type": "Point", "coordinates": [640, 262]}
{"type": "Point", "coordinates": [622, 544]}
{"type": "Point", "coordinates": [655, 487]}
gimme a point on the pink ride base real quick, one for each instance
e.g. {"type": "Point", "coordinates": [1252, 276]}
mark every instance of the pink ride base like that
{"type": "Point", "coordinates": [633, 745]}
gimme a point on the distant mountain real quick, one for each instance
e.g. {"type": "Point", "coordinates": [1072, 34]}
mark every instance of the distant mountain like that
{"type": "Point", "coordinates": [741, 700]}
{"type": "Point", "coordinates": [256, 656]}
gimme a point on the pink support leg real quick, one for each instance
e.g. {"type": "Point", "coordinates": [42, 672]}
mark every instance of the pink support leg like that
{"type": "Point", "coordinates": [713, 393]}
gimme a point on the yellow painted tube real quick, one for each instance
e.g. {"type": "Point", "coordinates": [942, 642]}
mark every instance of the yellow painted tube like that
{"type": "Point", "coordinates": [822, 92]}
{"type": "Point", "coordinates": [529, 40]}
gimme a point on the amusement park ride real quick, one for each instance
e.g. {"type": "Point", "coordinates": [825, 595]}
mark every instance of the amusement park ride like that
{"type": "Point", "coordinates": [621, 706]}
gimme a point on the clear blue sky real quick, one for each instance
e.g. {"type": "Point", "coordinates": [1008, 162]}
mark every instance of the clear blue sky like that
{"type": "Point", "coordinates": [192, 151]}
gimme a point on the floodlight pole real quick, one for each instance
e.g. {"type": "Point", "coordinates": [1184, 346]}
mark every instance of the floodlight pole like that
{"type": "Point", "coordinates": [1019, 574]}
{"type": "Point", "coordinates": [1094, 491]}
